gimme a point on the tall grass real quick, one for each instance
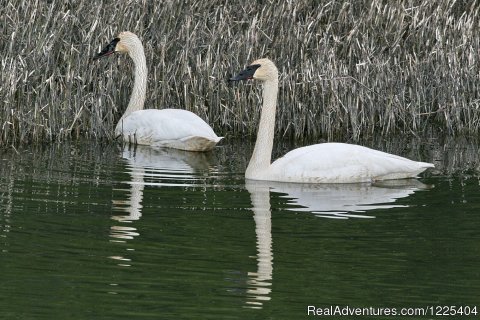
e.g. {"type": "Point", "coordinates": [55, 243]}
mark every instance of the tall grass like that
{"type": "Point", "coordinates": [348, 68]}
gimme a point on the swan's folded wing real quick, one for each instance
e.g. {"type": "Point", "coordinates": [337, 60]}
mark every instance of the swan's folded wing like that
{"type": "Point", "coordinates": [153, 126]}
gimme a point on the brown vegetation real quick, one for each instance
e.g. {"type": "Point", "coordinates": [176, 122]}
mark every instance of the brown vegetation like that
{"type": "Point", "coordinates": [347, 68]}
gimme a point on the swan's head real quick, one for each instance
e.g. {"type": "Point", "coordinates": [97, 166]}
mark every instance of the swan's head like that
{"type": "Point", "coordinates": [125, 42]}
{"type": "Point", "coordinates": [261, 69]}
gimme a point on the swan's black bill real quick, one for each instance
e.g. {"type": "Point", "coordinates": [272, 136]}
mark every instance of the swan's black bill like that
{"type": "Point", "coordinates": [247, 73]}
{"type": "Point", "coordinates": [108, 50]}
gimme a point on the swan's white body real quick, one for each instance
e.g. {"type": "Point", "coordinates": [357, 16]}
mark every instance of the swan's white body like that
{"type": "Point", "coordinates": [339, 163]}
{"type": "Point", "coordinates": [172, 128]}
{"type": "Point", "coordinates": [320, 163]}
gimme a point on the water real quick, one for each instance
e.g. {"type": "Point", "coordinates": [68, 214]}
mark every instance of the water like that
{"type": "Point", "coordinates": [94, 231]}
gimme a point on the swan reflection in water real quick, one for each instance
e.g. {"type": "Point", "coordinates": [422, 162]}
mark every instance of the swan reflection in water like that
{"type": "Point", "coordinates": [339, 201]}
{"type": "Point", "coordinates": [170, 167]}
{"type": "Point", "coordinates": [154, 167]}
{"type": "Point", "coordinates": [343, 201]}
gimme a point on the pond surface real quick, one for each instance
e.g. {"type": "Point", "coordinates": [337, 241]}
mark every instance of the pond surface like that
{"type": "Point", "coordinates": [97, 231]}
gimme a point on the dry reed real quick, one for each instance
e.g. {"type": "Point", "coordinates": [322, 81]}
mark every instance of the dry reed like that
{"type": "Point", "coordinates": [348, 68]}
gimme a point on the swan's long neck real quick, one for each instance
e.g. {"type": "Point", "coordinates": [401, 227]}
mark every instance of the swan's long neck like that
{"type": "Point", "coordinates": [137, 99]}
{"type": "Point", "coordinates": [262, 153]}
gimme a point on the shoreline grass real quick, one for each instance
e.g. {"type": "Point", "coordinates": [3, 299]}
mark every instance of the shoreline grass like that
{"type": "Point", "coordinates": [347, 68]}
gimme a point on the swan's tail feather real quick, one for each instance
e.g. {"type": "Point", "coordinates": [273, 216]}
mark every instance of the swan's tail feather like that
{"type": "Point", "coordinates": [426, 165]}
{"type": "Point", "coordinates": [194, 143]}
{"type": "Point", "coordinates": [191, 143]}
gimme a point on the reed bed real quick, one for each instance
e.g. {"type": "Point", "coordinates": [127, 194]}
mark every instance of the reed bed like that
{"type": "Point", "coordinates": [347, 68]}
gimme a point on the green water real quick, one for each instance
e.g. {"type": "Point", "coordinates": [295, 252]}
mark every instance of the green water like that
{"type": "Point", "coordinates": [91, 231]}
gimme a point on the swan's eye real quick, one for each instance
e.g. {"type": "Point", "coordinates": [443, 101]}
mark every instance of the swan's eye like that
{"type": "Point", "coordinates": [250, 71]}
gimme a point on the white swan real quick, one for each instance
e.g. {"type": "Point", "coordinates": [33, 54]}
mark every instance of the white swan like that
{"type": "Point", "coordinates": [319, 163]}
{"type": "Point", "coordinates": [172, 128]}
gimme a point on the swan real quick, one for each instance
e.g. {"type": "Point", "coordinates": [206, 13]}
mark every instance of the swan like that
{"type": "Point", "coordinates": [171, 128]}
{"type": "Point", "coordinates": [319, 163]}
